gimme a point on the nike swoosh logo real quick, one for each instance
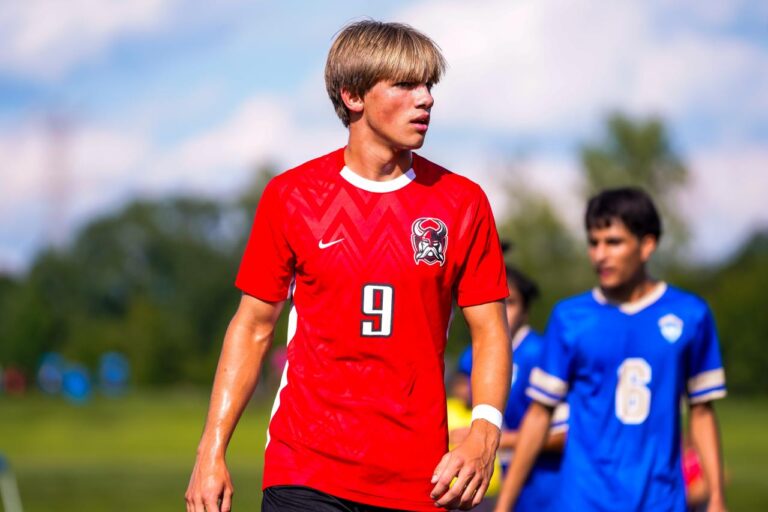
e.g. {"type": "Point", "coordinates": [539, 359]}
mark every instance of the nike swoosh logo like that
{"type": "Point", "coordinates": [325, 246]}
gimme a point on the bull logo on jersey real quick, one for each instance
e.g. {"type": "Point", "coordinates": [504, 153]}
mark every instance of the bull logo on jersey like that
{"type": "Point", "coordinates": [671, 327]}
{"type": "Point", "coordinates": [429, 237]}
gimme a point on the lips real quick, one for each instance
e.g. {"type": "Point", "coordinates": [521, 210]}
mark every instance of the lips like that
{"type": "Point", "coordinates": [421, 123]}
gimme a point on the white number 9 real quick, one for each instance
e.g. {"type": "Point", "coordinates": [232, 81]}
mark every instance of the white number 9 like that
{"type": "Point", "coordinates": [378, 301]}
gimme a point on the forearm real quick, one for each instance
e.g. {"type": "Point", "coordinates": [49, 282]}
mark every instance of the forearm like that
{"type": "Point", "coordinates": [706, 438]}
{"type": "Point", "coordinates": [531, 437]}
{"type": "Point", "coordinates": [246, 342]}
{"type": "Point", "coordinates": [492, 358]}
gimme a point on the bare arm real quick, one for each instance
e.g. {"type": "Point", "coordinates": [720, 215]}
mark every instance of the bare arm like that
{"type": "Point", "coordinates": [532, 434]}
{"type": "Point", "coordinates": [706, 438]}
{"type": "Point", "coordinates": [247, 340]}
{"type": "Point", "coordinates": [554, 442]}
{"type": "Point", "coordinates": [472, 460]}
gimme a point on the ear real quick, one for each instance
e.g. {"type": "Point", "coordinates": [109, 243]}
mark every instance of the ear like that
{"type": "Point", "coordinates": [353, 102]}
{"type": "Point", "coordinates": [647, 247]}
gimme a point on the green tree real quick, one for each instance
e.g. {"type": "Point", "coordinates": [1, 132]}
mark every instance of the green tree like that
{"type": "Point", "coordinates": [640, 153]}
{"type": "Point", "coordinates": [543, 247]}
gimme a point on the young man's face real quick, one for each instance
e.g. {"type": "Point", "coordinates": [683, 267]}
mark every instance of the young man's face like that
{"type": "Point", "coordinates": [617, 255]}
{"type": "Point", "coordinates": [516, 314]}
{"type": "Point", "coordinates": [397, 114]}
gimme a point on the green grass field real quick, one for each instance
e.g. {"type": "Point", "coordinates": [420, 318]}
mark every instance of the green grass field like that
{"type": "Point", "coordinates": [135, 453]}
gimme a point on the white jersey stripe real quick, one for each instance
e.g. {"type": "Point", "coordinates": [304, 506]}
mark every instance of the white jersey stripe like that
{"type": "Point", "coordinates": [537, 395]}
{"type": "Point", "coordinates": [706, 380]}
{"type": "Point", "coordinates": [549, 383]}
{"type": "Point", "coordinates": [708, 397]}
{"type": "Point", "coordinates": [292, 322]}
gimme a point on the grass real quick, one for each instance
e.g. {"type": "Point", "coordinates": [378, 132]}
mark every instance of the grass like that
{"type": "Point", "coordinates": [135, 453]}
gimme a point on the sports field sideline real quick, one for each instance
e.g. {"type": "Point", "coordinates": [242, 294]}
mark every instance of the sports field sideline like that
{"type": "Point", "coordinates": [136, 452]}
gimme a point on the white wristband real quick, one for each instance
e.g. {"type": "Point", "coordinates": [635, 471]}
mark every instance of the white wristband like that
{"type": "Point", "coordinates": [488, 413]}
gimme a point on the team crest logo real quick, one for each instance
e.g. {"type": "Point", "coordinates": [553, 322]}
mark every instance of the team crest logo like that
{"type": "Point", "coordinates": [429, 237]}
{"type": "Point", "coordinates": [671, 327]}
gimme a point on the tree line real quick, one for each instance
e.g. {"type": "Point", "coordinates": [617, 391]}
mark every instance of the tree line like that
{"type": "Point", "coordinates": [155, 279]}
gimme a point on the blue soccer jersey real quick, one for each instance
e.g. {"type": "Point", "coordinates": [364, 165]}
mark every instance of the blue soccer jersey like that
{"type": "Point", "coordinates": [537, 494]}
{"type": "Point", "coordinates": [624, 369]}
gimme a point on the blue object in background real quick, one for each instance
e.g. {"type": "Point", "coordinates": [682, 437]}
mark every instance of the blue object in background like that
{"type": "Point", "coordinates": [50, 375]}
{"type": "Point", "coordinates": [114, 373]}
{"type": "Point", "coordinates": [77, 384]}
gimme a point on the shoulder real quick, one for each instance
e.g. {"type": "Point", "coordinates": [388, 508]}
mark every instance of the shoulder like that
{"type": "Point", "coordinates": [531, 346]}
{"type": "Point", "coordinates": [576, 306]}
{"type": "Point", "coordinates": [682, 306]}
{"type": "Point", "coordinates": [685, 301]}
{"type": "Point", "coordinates": [312, 171]}
{"type": "Point", "coordinates": [431, 174]}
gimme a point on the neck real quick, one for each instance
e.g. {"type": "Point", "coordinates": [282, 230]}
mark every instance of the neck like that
{"type": "Point", "coordinates": [631, 291]}
{"type": "Point", "coordinates": [376, 162]}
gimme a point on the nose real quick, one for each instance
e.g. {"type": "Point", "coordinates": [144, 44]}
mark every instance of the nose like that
{"type": "Point", "coordinates": [598, 252]}
{"type": "Point", "coordinates": [424, 97]}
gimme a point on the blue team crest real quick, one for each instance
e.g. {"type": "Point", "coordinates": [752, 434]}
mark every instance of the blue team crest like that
{"type": "Point", "coordinates": [671, 327]}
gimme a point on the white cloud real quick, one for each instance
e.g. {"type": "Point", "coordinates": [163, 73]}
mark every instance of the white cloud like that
{"type": "Point", "coordinates": [552, 66]}
{"type": "Point", "coordinates": [725, 202]}
{"type": "Point", "coordinates": [262, 129]}
{"type": "Point", "coordinates": [45, 38]}
{"type": "Point", "coordinates": [51, 187]}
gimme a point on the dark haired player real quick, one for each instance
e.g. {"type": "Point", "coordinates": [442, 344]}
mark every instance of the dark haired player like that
{"type": "Point", "coordinates": [371, 244]}
{"type": "Point", "coordinates": [527, 346]}
{"type": "Point", "coordinates": [624, 354]}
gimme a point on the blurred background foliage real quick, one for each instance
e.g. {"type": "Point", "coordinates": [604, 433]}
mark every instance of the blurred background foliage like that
{"type": "Point", "coordinates": [155, 279]}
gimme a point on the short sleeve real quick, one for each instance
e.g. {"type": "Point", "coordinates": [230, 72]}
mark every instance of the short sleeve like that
{"type": "Point", "coordinates": [267, 267]}
{"type": "Point", "coordinates": [706, 377]}
{"type": "Point", "coordinates": [548, 382]}
{"type": "Point", "coordinates": [483, 277]}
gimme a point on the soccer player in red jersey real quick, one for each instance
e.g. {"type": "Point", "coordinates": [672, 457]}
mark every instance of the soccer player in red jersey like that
{"type": "Point", "coordinates": [371, 244]}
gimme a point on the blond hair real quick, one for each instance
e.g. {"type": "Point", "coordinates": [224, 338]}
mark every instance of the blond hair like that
{"type": "Point", "coordinates": [366, 52]}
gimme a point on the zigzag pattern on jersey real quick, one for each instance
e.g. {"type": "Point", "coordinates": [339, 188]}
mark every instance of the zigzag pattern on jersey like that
{"type": "Point", "coordinates": [375, 227]}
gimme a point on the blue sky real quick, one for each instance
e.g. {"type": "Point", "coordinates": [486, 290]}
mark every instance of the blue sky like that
{"type": "Point", "coordinates": [178, 96]}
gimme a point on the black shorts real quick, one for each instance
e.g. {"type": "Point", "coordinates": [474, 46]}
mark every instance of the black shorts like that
{"type": "Point", "coordinates": [297, 498]}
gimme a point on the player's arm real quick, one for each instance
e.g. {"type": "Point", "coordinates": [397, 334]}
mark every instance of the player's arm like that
{"type": "Point", "coordinates": [706, 438]}
{"type": "Point", "coordinates": [472, 460]}
{"type": "Point", "coordinates": [246, 342]}
{"type": "Point", "coordinates": [533, 433]}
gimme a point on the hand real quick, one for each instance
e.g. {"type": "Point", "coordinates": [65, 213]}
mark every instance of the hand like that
{"type": "Point", "coordinates": [457, 436]}
{"type": "Point", "coordinates": [471, 463]}
{"type": "Point", "coordinates": [210, 486]}
{"type": "Point", "coordinates": [716, 505]}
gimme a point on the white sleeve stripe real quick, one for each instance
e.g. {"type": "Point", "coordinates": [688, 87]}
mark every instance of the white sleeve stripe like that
{"type": "Point", "coordinates": [549, 383]}
{"type": "Point", "coordinates": [706, 380]}
{"type": "Point", "coordinates": [537, 395]}
{"type": "Point", "coordinates": [562, 413]}
{"type": "Point", "coordinates": [706, 397]}
{"type": "Point", "coordinates": [556, 429]}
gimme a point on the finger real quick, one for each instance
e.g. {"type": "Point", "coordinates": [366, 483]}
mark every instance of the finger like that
{"type": "Point", "coordinates": [470, 491]}
{"type": "Point", "coordinates": [480, 492]}
{"type": "Point", "coordinates": [226, 502]}
{"type": "Point", "coordinates": [445, 477]}
{"type": "Point", "coordinates": [440, 467]}
{"type": "Point", "coordinates": [196, 505]}
{"type": "Point", "coordinates": [211, 503]}
{"type": "Point", "coordinates": [452, 497]}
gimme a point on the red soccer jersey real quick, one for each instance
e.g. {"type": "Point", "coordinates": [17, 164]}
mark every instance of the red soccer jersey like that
{"type": "Point", "coordinates": [375, 266]}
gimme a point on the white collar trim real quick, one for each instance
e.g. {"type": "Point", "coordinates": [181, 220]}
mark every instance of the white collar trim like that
{"type": "Point", "coordinates": [631, 308]}
{"type": "Point", "coordinates": [520, 335]}
{"type": "Point", "coordinates": [378, 186]}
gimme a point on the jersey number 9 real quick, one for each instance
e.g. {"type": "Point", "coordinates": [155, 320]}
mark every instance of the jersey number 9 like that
{"type": "Point", "coordinates": [378, 304]}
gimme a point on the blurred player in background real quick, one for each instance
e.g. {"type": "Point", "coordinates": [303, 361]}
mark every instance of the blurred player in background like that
{"type": "Point", "coordinates": [623, 354]}
{"type": "Point", "coordinates": [527, 345]}
{"type": "Point", "coordinates": [372, 244]}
